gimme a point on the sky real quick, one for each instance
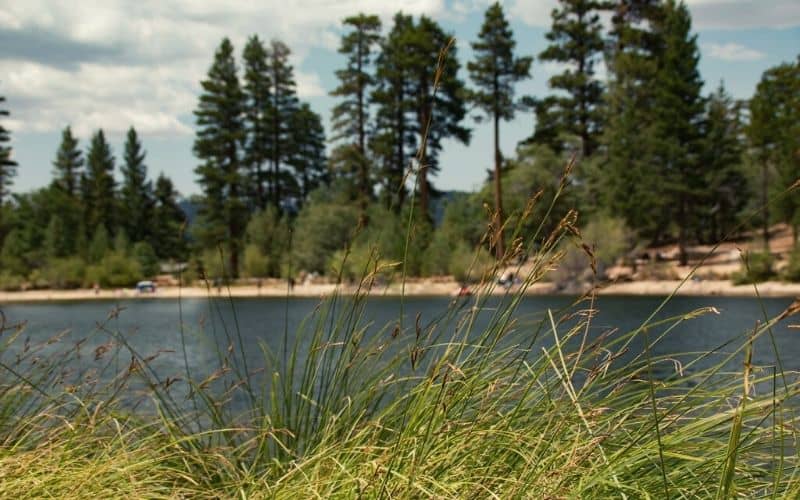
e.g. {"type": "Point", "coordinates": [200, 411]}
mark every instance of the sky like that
{"type": "Point", "coordinates": [121, 63]}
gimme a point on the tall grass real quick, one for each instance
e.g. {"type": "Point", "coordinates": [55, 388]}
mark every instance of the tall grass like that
{"type": "Point", "coordinates": [472, 404]}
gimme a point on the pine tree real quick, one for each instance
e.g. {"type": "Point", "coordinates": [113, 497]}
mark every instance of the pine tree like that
{"type": "Point", "coordinates": [576, 40]}
{"type": "Point", "coordinates": [439, 99]}
{"type": "Point", "coordinates": [679, 111]}
{"type": "Point", "coordinates": [137, 192]}
{"type": "Point", "coordinates": [726, 190]}
{"type": "Point", "coordinates": [98, 185]}
{"type": "Point", "coordinates": [630, 186]}
{"type": "Point", "coordinates": [284, 105]}
{"type": "Point", "coordinates": [68, 164]}
{"type": "Point", "coordinates": [495, 71]}
{"type": "Point", "coordinates": [395, 139]}
{"type": "Point", "coordinates": [258, 105]}
{"type": "Point", "coordinates": [351, 116]}
{"type": "Point", "coordinates": [169, 220]}
{"type": "Point", "coordinates": [307, 154]}
{"type": "Point", "coordinates": [218, 144]}
{"type": "Point", "coordinates": [8, 167]}
{"type": "Point", "coordinates": [773, 133]}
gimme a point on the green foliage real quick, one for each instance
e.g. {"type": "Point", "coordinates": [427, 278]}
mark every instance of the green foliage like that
{"type": "Point", "coordinates": [115, 270]}
{"type": "Point", "coordinates": [8, 166]}
{"type": "Point", "coordinates": [218, 145]}
{"type": "Point", "coordinates": [320, 230]}
{"type": "Point", "coordinates": [147, 258]}
{"type": "Point", "coordinates": [469, 265]}
{"type": "Point", "coordinates": [256, 264]}
{"type": "Point", "coordinates": [10, 282]}
{"type": "Point", "coordinates": [65, 272]}
{"type": "Point", "coordinates": [269, 234]}
{"type": "Point", "coordinates": [13, 254]}
{"type": "Point", "coordinates": [167, 237]}
{"type": "Point", "coordinates": [792, 271]}
{"type": "Point", "coordinates": [576, 40]}
{"type": "Point", "coordinates": [98, 185]}
{"type": "Point", "coordinates": [257, 115]}
{"type": "Point", "coordinates": [136, 196]}
{"type": "Point", "coordinates": [307, 152]}
{"type": "Point", "coordinates": [68, 164]}
{"type": "Point", "coordinates": [756, 267]}
{"type": "Point", "coordinates": [99, 245]}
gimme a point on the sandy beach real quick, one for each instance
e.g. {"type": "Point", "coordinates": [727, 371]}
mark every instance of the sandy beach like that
{"type": "Point", "coordinates": [412, 288]}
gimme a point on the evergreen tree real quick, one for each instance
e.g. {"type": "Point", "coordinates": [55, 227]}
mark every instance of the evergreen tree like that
{"type": "Point", "coordinates": [55, 238]}
{"type": "Point", "coordinates": [169, 220]}
{"type": "Point", "coordinates": [137, 192]}
{"type": "Point", "coordinates": [307, 156]}
{"type": "Point", "coordinates": [98, 185]}
{"type": "Point", "coordinates": [100, 245]}
{"type": "Point", "coordinates": [495, 71]}
{"type": "Point", "coordinates": [396, 133]}
{"type": "Point", "coordinates": [218, 144]}
{"type": "Point", "coordinates": [725, 193]}
{"type": "Point", "coordinates": [773, 136]}
{"type": "Point", "coordinates": [439, 102]}
{"type": "Point", "coordinates": [630, 186]}
{"type": "Point", "coordinates": [258, 106]}
{"type": "Point", "coordinates": [576, 40]}
{"type": "Point", "coordinates": [284, 105]}
{"type": "Point", "coordinates": [679, 111]}
{"type": "Point", "coordinates": [68, 164]}
{"type": "Point", "coordinates": [8, 167]}
{"type": "Point", "coordinates": [351, 115]}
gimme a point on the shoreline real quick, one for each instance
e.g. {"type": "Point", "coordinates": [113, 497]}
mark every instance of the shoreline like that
{"type": "Point", "coordinates": [721, 288]}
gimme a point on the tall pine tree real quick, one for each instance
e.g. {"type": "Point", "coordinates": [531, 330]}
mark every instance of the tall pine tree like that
{"type": "Point", "coordinates": [679, 111]}
{"type": "Point", "coordinates": [726, 190]}
{"type": "Point", "coordinates": [8, 167]}
{"type": "Point", "coordinates": [167, 238]}
{"type": "Point", "coordinates": [136, 207]}
{"type": "Point", "coordinates": [396, 133]}
{"type": "Point", "coordinates": [576, 41]}
{"type": "Point", "coordinates": [98, 185]}
{"type": "Point", "coordinates": [284, 105]}
{"type": "Point", "coordinates": [495, 71]}
{"type": "Point", "coordinates": [218, 144]}
{"type": "Point", "coordinates": [351, 116]}
{"type": "Point", "coordinates": [307, 154]}
{"type": "Point", "coordinates": [258, 106]}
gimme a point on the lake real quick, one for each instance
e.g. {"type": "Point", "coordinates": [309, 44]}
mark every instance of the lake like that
{"type": "Point", "coordinates": [153, 327]}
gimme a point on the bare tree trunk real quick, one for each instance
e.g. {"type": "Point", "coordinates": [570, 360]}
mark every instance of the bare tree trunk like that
{"type": "Point", "coordinates": [764, 203]}
{"type": "Point", "coordinates": [498, 194]}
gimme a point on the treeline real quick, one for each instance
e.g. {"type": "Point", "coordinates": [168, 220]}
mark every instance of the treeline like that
{"type": "Point", "coordinates": [84, 228]}
{"type": "Point", "coordinates": [658, 161]}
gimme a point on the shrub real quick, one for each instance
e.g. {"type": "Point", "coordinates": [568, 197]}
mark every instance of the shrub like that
{"type": "Point", "coordinates": [792, 271]}
{"type": "Point", "coordinates": [115, 270]}
{"type": "Point", "coordinates": [147, 258]}
{"type": "Point", "coordinates": [10, 282]}
{"type": "Point", "coordinates": [68, 272]}
{"type": "Point", "coordinates": [469, 265]}
{"type": "Point", "coordinates": [256, 264]}
{"type": "Point", "coordinates": [322, 229]}
{"type": "Point", "coordinates": [757, 267]}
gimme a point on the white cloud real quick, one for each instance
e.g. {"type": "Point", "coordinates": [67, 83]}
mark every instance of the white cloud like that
{"type": "Point", "coordinates": [732, 52]}
{"type": "Point", "coordinates": [154, 54]}
{"type": "Point", "coordinates": [742, 14]}
{"type": "Point", "coordinates": [706, 14]}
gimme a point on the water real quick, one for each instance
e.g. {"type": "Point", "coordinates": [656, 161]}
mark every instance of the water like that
{"type": "Point", "coordinates": [153, 327]}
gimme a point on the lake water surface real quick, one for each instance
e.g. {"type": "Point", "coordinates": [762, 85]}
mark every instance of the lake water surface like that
{"type": "Point", "coordinates": [154, 325]}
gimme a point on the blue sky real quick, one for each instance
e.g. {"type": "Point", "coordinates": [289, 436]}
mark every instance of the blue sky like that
{"type": "Point", "coordinates": [122, 63]}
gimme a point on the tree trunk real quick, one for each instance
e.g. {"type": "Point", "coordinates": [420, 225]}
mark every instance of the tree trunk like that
{"type": "Point", "coordinates": [683, 256]}
{"type": "Point", "coordinates": [498, 198]}
{"type": "Point", "coordinates": [764, 203]}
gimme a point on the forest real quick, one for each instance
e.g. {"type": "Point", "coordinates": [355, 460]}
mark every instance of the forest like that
{"type": "Point", "coordinates": [642, 155]}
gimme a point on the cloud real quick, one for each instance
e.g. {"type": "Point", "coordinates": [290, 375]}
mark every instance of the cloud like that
{"type": "Point", "coordinates": [706, 14]}
{"type": "Point", "coordinates": [744, 14]}
{"type": "Point", "coordinates": [119, 63]}
{"type": "Point", "coordinates": [732, 52]}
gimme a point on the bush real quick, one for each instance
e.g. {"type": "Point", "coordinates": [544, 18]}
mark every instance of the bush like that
{"type": "Point", "coordinates": [256, 264]}
{"type": "Point", "coordinates": [68, 272]}
{"type": "Point", "coordinates": [792, 271]}
{"type": "Point", "coordinates": [468, 265]}
{"type": "Point", "coordinates": [115, 270]}
{"type": "Point", "coordinates": [320, 231]}
{"type": "Point", "coordinates": [147, 258]}
{"type": "Point", "coordinates": [10, 282]}
{"type": "Point", "coordinates": [213, 264]}
{"type": "Point", "coordinates": [757, 267]}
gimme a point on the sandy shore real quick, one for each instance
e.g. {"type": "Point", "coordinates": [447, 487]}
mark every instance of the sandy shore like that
{"type": "Point", "coordinates": [416, 288]}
